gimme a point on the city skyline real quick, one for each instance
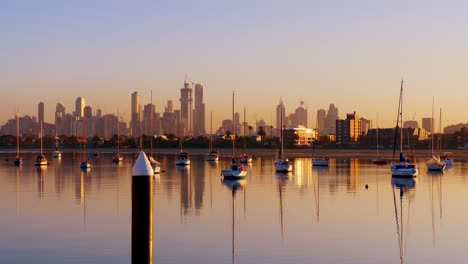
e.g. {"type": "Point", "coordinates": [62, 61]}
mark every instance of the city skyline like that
{"type": "Point", "coordinates": [350, 54]}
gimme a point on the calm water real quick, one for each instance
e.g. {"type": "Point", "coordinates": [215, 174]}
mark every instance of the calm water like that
{"type": "Point", "coordinates": [62, 214]}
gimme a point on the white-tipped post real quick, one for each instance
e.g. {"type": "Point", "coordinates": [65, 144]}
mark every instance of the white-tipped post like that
{"type": "Point", "coordinates": [142, 166]}
{"type": "Point", "coordinates": [142, 210]}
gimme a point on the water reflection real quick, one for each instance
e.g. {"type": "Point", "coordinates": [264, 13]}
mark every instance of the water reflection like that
{"type": "Point", "coordinates": [234, 186]}
{"type": "Point", "coordinates": [406, 186]}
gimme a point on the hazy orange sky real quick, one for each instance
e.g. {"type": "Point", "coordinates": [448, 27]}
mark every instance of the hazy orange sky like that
{"type": "Point", "coordinates": [350, 53]}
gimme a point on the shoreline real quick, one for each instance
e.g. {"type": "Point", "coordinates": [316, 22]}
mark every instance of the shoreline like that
{"type": "Point", "coordinates": [226, 152]}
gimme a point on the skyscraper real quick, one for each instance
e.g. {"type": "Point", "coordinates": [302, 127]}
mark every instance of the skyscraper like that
{"type": "Point", "coordinates": [185, 109]}
{"type": "Point", "coordinates": [148, 119]}
{"type": "Point", "coordinates": [79, 107]}
{"type": "Point", "coordinates": [40, 112]}
{"type": "Point", "coordinates": [280, 114]}
{"type": "Point", "coordinates": [330, 121]}
{"type": "Point", "coordinates": [348, 130]}
{"type": "Point", "coordinates": [135, 115]}
{"type": "Point", "coordinates": [59, 119]}
{"type": "Point", "coordinates": [199, 111]}
{"type": "Point", "coordinates": [320, 122]}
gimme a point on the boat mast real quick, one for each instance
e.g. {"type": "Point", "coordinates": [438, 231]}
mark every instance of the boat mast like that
{"type": "Point", "coordinates": [401, 118]}
{"type": "Point", "coordinates": [17, 134]}
{"type": "Point", "coordinates": [41, 137]}
{"type": "Point", "coordinates": [233, 126]}
{"type": "Point", "coordinates": [281, 132]}
{"type": "Point", "coordinates": [211, 131]}
{"type": "Point", "coordinates": [397, 124]}
{"type": "Point", "coordinates": [432, 129]}
{"type": "Point", "coordinates": [243, 132]}
{"type": "Point", "coordinates": [151, 124]}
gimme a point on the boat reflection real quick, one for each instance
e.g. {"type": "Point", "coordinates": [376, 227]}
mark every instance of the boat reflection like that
{"type": "Point", "coordinates": [234, 185]}
{"type": "Point", "coordinates": [406, 187]}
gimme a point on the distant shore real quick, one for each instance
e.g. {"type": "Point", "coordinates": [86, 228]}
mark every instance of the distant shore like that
{"type": "Point", "coordinates": [292, 153]}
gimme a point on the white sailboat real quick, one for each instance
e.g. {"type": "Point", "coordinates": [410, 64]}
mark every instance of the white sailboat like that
{"type": "Point", "coordinates": [245, 158]}
{"type": "Point", "coordinates": [213, 155]}
{"type": "Point", "coordinates": [282, 163]}
{"type": "Point", "coordinates": [18, 159]}
{"type": "Point", "coordinates": [56, 153]}
{"type": "Point", "coordinates": [183, 158]}
{"type": "Point", "coordinates": [234, 170]}
{"type": "Point", "coordinates": [41, 159]}
{"type": "Point", "coordinates": [402, 167]}
{"type": "Point", "coordinates": [156, 165]}
{"type": "Point", "coordinates": [434, 163]}
{"type": "Point", "coordinates": [85, 164]}
{"type": "Point", "coordinates": [446, 157]}
{"type": "Point", "coordinates": [320, 160]}
{"type": "Point", "coordinates": [118, 158]}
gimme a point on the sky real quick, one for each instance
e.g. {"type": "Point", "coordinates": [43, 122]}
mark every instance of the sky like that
{"type": "Point", "coordinates": [350, 53]}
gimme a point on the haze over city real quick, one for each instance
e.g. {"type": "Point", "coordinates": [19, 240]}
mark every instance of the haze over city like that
{"type": "Point", "coordinates": [350, 54]}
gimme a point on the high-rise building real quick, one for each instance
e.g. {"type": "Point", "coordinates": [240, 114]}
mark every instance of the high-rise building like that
{"type": "Point", "coordinates": [427, 123]}
{"type": "Point", "coordinates": [199, 111]}
{"type": "Point", "coordinates": [186, 109]}
{"type": "Point", "coordinates": [348, 130]}
{"type": "Point", "coordinates": [79, 107]}
{"type": "Point", "coordinates": [169, 107]}
{"type": "Point", "coordinates": [40, 112]}
{"type": "Point", "coordinates": [148, 119]}
{"type": "Point", "coordinates": [59, 119]}
{"type": "Point", "coordinates": [321, 117]}
{"type": "Point", "coordinates": [135, 115]}
{"type": "Point", "coordinates": [280, 115]}
{"type": "Point", "coordinates": [330, 122]}
{"type": "Point", "coordinates": [299, 118]}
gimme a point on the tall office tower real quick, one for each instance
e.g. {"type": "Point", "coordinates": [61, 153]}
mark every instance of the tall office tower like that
{"type": "Point", "coordinates": [237, 123]}
{"type": "Point", "coordinates": [320, 122]}
{"type": "Point", "coordinates": [185, 109]}
{"type": "Point", "coordinates": [89, 120]}
{"type": "Point", "coordinates": [330, 121]}
{"type": "Point", "coordinates": [199, 111]}
{"type": "Point", "coordinates": [148, 119]}
{"type": "Point", "coordinates": [169, 107]}
{"type": "Point", "coordinates": [427, 123]}
{"type": "Point", "coordinates": [135, 115]}
{"type": "Point", "coordinates": [79, 107]}
{"type": "Point", "coordinates": [59, 119]}
{"type": "Point", "coordinates": [280, 114]}
{"type": "Point", "coordinates": [300, 116]}
{"type": "Point", "coordinates": [40, 112]}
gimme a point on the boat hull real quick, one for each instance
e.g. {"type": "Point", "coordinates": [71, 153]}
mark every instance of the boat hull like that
{"type": "Point", "coordinates": [404, 170]}
{"type": "Point", "coordinates": [320, 162]}
{"type": "Point", "coordinates": [283, 167]}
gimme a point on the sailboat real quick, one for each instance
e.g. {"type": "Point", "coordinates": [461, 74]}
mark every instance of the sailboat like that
{"type": "Point", "coordinates": [319, 160]}
{"type": "Point", "coordinates": [213, 156]}
{"type": "Point", "coordinates": [18, 159]}
{"type": "Point", "coordinates": [156, 165]}
{"type": "Point", "coordinates": [85, 164]}
{"type": "Point", "coordinates": [402, 167]}
{"type": "Point", "coordinates": [446, 156]}
{"type": "Point", "coordinates": [434, 163]}
{"type": "Point", "coordinates": [41, 159]}
{"type": "Point", "coordinates": [378, 160]}
{"type": "Point", "coordinates": [245, 158]}
{"type": "Point", "coordinates": [117, 158]}
{"type": "Point", "coordinates": [282, 163]}
{"type": "Point", "coordinates": [183, 157]}
{"type": "Point", "coordinates": [234, 170]}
